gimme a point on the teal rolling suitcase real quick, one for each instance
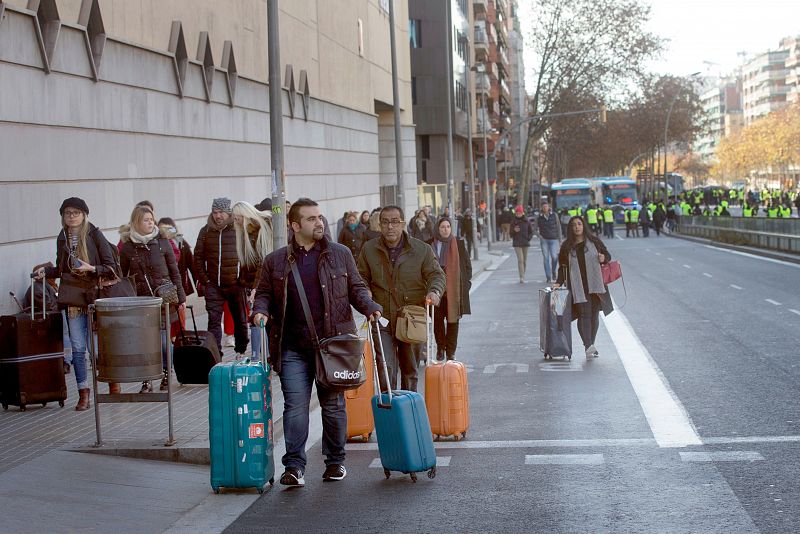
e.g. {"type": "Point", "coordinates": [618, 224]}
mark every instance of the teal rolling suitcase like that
{"type": "Point", "coordinates": [240, 426]}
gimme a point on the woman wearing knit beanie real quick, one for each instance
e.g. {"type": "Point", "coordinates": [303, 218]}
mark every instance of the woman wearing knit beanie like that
{"type": "Point", "coordinates": [83, 255]}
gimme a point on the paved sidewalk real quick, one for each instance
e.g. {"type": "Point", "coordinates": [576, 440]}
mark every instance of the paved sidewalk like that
{"type": "Point", "coordinates": [46, 482]}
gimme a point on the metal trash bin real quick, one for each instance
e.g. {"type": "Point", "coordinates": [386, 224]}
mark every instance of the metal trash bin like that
{"type": "Point", "coordinates": [129, 339]}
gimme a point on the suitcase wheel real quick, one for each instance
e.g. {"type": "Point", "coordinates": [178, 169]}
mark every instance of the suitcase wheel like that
{"type": "Point", "coordinates": [365, 437]}
{"type": "Point", "coordinates": [5, 406]}
{"type": "Point", "coordinates": [387, 473]}
{"type": "Point", "coordinates": [61, 403]}
{"type": "Point", "coordinates": [546, 356]}
{"type": "Point", "coordinates": [272, 482]}
{"type": "Point", "coordinates": [569, 358]}
{"type": "Point", "coordinates": [432, 472]}
{"type": "Point", "coordinates": [464, 435]}
{"type": "Point", "coordinates": [22, 408]}
{"type": "Point", "coordinates": [216, 490]}
{"type": "Point", "coordinates": [44, 404]}
{"type": "Point", "coordinates": [260, 490]}
{"type": "Point", "coordinates": [413, 477]}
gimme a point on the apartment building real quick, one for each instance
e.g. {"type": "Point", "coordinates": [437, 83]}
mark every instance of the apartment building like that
{"type": "Point", "coordinates": [764, 86]}
{"type": "Point", "coordinates": [117, 101]}
{"type": "Point", "coordinates": [722, 111]}
{"type": "Point", "coordinates": [792, 46]}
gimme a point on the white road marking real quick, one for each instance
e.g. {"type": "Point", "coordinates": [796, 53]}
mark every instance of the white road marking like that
{"type": "Point", "coordinates": [495, 265]}
{"type": "Point", "coordinates": [796, 312]}
{"type": "Point", "coordinates": [564, 459]}
{"type": "Point", "coordinates": [668, 419]}
{"type": "Point", "coordinates": [753, 256]}
{"type": "Point", "coordinates": [619, 237]}
{"type": "Point", "coordinates": [524, 444]}
{"type": "Point", "coordinates": [577, 443]}
{"type": "Point", "coordinates": [658, 254]}
{"type": "Point", "coordinates": [721, 456]}
{"type": "Point", "coordinates": [734, 286]}
{"type": "Point", "coordinates": [441, 461]}
{"type": "Point", "coordinates": [687, 266]}
{"type": "Point", "coordinates": [493, 326]}
{"type": "Point", "coordinates": [519, 367]}
{"type": "Point", "coordinates": [670, 259]}
{"type": "Point", "coordinates": [560, 366]}
{"type": "Point", "coordinates": [707, 275]}
{"type": "Point", "coordinates": [773, 302]}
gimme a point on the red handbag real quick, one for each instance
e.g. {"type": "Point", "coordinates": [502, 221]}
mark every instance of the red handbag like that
{"type": "Point", "coordinates": [612, 271]}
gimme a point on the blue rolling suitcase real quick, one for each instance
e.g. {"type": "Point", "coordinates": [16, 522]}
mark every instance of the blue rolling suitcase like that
{"type": "Point", "coordinates": [404, 434]}
{"type": "Point", "coordinates": [240, 425]}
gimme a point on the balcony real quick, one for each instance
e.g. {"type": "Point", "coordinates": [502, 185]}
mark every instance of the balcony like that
{"type": "Point", "coordinates": [503, 57]}
{"type": "Point", "coordinates": [479, 6]}
{"type": "Point", "coordinates": [505, 92]}
{"type": "Point", "coordinates": [491, 69]}
{"type": "Point", "coordinates": [501, 7]}
{"type": "Point", "coordinates": [480, 43]}
{"type": "Point", "coordinates": [482, 84]}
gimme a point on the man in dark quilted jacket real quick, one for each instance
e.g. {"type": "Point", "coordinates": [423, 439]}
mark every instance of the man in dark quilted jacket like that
{"type": "Point", "coordinates": [332, 285]}
{"type": "Point", "coordinates": [217, 267]}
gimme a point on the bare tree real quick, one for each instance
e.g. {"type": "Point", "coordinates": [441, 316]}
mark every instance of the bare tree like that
{"type": "Point", "coordinates": [584, 47]}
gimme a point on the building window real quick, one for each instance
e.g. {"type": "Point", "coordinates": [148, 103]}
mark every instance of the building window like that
{"type": "Point", "coordinates": [425, 146]}
{"type": "Point", "coordinates": [415, 33]}
{"type": "Point", "coordinates": [463, 5]}
{"type": "Point", "coordinates": [461, 96]}
{"type": "Point", "coordinates": [414, 90]}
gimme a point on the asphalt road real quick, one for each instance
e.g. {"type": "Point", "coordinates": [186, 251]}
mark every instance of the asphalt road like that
{"type": "Point", "coordinates": [689, 421]}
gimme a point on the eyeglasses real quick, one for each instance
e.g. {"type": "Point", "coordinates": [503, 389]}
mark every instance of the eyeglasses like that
{"type": "Point", "coordinates": [70, 213]}
{"type": "Point", "coordinates": [393, 222]}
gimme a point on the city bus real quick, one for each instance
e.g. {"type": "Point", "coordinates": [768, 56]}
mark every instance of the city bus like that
{"type": "Point", "coordinates": [615, 191]}
{"type": "Point", "coordinates": [572, 192]}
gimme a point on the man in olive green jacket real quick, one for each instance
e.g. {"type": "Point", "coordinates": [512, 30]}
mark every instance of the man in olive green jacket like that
{"type": "Point", "coordinates": [399, 271]}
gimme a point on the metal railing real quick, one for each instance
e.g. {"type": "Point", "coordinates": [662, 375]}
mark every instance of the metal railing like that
{"type": "Point", "coordinates": [773, 234]}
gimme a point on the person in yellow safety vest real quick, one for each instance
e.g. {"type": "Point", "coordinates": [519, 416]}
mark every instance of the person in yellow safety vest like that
{"type": "Point", "coordinates": [573, 211]}
{"type": "Point", "coordinates": [635, 221]}
{"type": "Point", "coordinates": [591, 219]}
{"type": "Point", "coordinates": [627, 223]}
{"type": "Point", "coordinates": [741, 195]}
{"type": "Point", "coordinates": [580, 210]}
{"type": "Point", "coordinates": [724, 203]}
{"type": "Point", "coordinates": [776, 193]}
{"type": "Point", "coordinates": [747, 211]}
{"type": "Point", "coordinates": [732, 195]}
{"type": "Point", "coordinates": [786, 212]}
{"type": "Point", "coordinates": [608, 222]}
{"type": "Point", "coordinates": [686, 208]}
{"type": "Point", "coordinates": [772, 211]}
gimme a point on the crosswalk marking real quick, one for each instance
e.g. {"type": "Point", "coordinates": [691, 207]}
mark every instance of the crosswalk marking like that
{"type": "Point", "coordinates": [560, 366]}
{"type": "Point", "coordinates": [670, 259]}
{"type": "Point", "coordinates": [796, 312]}
{"type": "Point", "coordinates": [687, 266]}
{"type": "Point", "coordinates": [707, 275]}
{"type": "Point", "coordinates": [721, 456]}
{"type": "Point", "coordinates": [734, 286]}
{"type": "Point", "coordinates": [519, 367]}
{"type": "Point", "coordinates": [773, 302]}
{"type": "Point", "coordinates": [441, 461]}
{"type": "Point", "coordinates": [564, 459]}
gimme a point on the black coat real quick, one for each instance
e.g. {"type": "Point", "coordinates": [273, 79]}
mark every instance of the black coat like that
{"type": "Point", "coordinates": [100, 253]}
{"type": "Point", "coordinates": [341, 287]}
{"type": "Point", "coordinates": [215, 259]}
{"type": "Point", "coordinates": [151, 265]}
{"type": "Point", "coordinates": [352, 240]}
{"type": "Point", "coordinates": [523, 237]}
{"type": "Point", "coordinates": [465, 266]}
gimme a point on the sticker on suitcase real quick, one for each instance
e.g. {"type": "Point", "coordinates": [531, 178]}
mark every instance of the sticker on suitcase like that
{"type": "Point", "coordinates": [256, 430]}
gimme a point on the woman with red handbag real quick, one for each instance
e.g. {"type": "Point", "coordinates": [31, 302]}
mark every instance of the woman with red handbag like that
{"type": "Point", "coordinates": [579, 266]}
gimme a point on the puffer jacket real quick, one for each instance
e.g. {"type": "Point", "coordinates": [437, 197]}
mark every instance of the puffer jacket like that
{"type": "Point", "coordinates": [151, 265]}
{"type": "Point", "coordinates": [341, 287]}
{"type": "Point", "coordinates": [249, 275]}
{"type": "Point", "coordinates": [522, 238]}
{"type": "Point", "coordinates": [416, 273]}
{"type": "Point", "coordinates": [215, 258]}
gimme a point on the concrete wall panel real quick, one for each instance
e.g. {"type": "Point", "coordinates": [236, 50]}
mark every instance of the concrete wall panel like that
{"type": "Point", "coordinates": [71, 55]}
{"type": "Point", "coordinates": [18, 43]}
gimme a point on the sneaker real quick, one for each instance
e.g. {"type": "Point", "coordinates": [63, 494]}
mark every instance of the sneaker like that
{"type": "Point", "coordinates": [334, 472]}
{"type": "Point", "coordinates": [147, 387]}
{"type": "Point", "coordinates": [293, 477]}
{"type": "Point", "coordinates": [228, 341]}
{"type": "Point", "coordinates": [591, 351]}
{"type": "Point", "coordinates": [164, 384]}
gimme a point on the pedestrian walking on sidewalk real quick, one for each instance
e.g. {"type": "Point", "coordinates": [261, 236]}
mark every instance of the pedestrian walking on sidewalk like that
{"type": "Point", "coordinates": [148, 257]}
{"type": "Point", "coordinates": [522, 233]}
{"type": "Point", "coordinates": [400, 270]}
{"type": "Point", "coordinates": [83, 256]}
{"type": "Point", "coordinates": [465, 230]}
{"type": "Point", "coordinates": [217, 266]}
{"type": "Point", "coordinates": [579, 262]}
{"type": "Point", "coordinates": [253, 244]}
{"type": "Point", "coordinates": [350, 235]}
{"type": "Point", "coordinates": [330, 281]}
{"type": "Point", "coordinates": [550, 239]}
{"type": "Point", "coordinates": [451, 252]}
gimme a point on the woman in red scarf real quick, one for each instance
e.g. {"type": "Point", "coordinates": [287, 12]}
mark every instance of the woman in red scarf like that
{"type": "Point", "coordinates": [454, 260]}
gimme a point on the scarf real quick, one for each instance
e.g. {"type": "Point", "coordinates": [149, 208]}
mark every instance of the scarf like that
{"type": "Point", "coordinates": [449, 260]}
{"type": "Point", "coordinates": [136, 237]}
{"type": "Point", "coordinates": [594, 274]}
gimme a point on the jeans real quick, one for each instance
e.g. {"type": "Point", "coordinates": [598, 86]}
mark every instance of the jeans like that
{"type": "Point", "coordinates": [297, 376]}
{"type": "Point", "coordinates": [522, 261]}
{"type": "Point", "coordinates": [216, 297]}
{"type": "Point", "coordinates": [550, 256]}
{"type": "Point", "coordinates": [78, 338]}
{"type": "Point", "coordinates": [589, 320]}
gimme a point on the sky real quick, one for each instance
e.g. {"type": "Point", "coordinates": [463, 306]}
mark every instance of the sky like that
{"type": "Point", "coordinates": [707, 35]}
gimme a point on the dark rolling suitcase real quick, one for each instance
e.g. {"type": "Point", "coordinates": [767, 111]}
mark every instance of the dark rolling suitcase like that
{"type": "Point", "coordinates": [32, 358]}
{"type": "Point", "coordinates": [194, 354]}
{"type": "Point", "coordinates": [555, 322]}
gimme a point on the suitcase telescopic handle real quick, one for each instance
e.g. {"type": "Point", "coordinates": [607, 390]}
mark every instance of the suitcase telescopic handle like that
{"type": "Point", "coordinates": [33, 297]}
{"type": "Point", "coordinates": [430, 335]}
{"type": "Point", "coordinates": [382, 358]}
{"type": "Point", "coordinates": [194, 321]}
{"type": "Point", "coordinates": [264, 346]}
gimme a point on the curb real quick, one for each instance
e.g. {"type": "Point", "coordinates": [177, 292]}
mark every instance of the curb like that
{"type": "Point", "coordinates": [755, 251]}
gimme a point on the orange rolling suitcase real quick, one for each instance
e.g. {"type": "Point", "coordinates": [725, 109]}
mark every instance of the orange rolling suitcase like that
{"type": "Point", "coordinates": [359, 401]}
{"type": "Point", "coordinates": [446, 392]}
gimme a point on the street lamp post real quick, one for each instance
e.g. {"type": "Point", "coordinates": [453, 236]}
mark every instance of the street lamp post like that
{"type": "Point", "coordinates": [278, 185]}
{"type": "Point", "coordinates": [398, 140]}
{"type": "Point", "coordinates": [449, 93]}
{"type": "Point", "coordinates": [480, 68]}
{"type": "Point", "coordinates": [474, 232]}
